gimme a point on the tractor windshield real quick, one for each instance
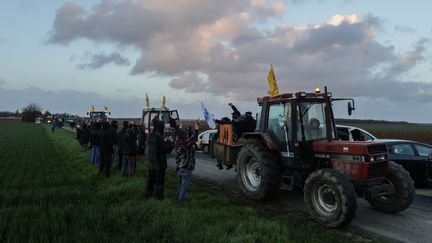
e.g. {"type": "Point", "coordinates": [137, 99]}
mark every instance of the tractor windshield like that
{"type": "Point", "coordinates": [311, 121]}
{"type": "Point", "coordinates": [98, 114]}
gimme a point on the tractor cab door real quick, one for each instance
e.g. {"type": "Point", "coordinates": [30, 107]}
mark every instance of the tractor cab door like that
{"type": "Point", "coordinates": [279, 127]}
{"type": "Point", "coordinates": [147, 118]}
{"type": "Point", "coordinates": [310, 124]}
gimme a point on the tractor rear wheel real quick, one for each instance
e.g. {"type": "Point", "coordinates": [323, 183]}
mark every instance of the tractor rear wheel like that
{"type": "Point", "coordinates": [258, 172]}
{"type": "Point", "coordinates": [404, 191]}
{"type": "Point", "coordinates": [330, 198]}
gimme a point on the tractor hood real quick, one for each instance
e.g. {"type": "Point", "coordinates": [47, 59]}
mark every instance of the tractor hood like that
{"type": "Point", "coordinates": [350, 148]}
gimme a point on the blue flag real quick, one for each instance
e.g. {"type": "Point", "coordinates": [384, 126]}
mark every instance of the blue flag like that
{"type": "Point", "coordinates": [208, 117]}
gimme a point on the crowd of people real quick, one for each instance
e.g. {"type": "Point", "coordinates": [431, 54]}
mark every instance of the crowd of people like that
{"type": "Point", "coordinates": [121, 148]}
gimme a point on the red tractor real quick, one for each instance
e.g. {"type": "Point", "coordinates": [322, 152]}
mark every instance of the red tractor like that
{"type": "Point", "coordinates": [295, 146]}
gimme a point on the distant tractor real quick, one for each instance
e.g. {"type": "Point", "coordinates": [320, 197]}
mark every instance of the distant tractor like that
{"type": "Point", "coordinates": [169, 117]}
{"type": "Point", "coordinates": [295, 146]}
{"type": "Point", "coordinates": [98, 116]}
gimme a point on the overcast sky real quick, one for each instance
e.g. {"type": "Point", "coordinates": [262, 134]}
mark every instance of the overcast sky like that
{"type": "Point", "coordinates": [69, 55]}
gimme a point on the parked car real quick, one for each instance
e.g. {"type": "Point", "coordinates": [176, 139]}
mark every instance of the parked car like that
{"type": "Point", "coordinates": [350, 133]}
{"type": "Point", "coordinates": [203, 140]}
{"type": "Point", "coordinates": [415, 157]}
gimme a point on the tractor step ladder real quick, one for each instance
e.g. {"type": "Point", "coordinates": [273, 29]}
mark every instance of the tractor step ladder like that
{"type": "Point", "coordinates": [290, 185]}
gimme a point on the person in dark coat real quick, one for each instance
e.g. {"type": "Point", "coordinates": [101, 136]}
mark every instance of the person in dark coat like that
{"type": "Point", "coordinates": [83, 136]}
{"type": "Point", "coordinates": [157, 150]}
{"type": "Point", "coordinates": [250, 122]}
{"type": "Point", "coordinates": [115, 134]}
{"type": "Point", "coordinates": [94, 132]}
{"type": "Point", "coordinates": [106, 143]}
{"type": "Point", "coordinates": [129, 150]}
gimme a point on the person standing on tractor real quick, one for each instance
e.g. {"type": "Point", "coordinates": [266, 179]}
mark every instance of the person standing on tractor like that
{"type": "Point", "coordinates": [156, 155]}
{"type": "Point", "coordinates": [185, 160]}
{"type": "Point", "coordinates": [250, 122]}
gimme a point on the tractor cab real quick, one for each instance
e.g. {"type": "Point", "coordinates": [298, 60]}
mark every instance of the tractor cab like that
{"type": "Point", "coordinates": [169, 117]}
{"type": "Point", "coordinates": [294, 121]}
{"type": "Point", "coordinates": [98, 116]}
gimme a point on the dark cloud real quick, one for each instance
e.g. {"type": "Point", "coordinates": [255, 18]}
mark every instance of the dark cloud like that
{"type": "Point", "coordinates": [191, 82]}
{"type": "Point", "coordinates": [404, 29]}
{"type": "Point", "coordinates": [99, 60]}
{"type": "Point", "coordinates": [219, 51]}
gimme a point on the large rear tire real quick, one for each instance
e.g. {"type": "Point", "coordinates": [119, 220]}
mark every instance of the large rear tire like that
{"type": "Point", "coordinates": [258, 172]}
{"type": "Point", "coordinates": [330, 198]}
{"type": "Point", "coordinates": [404, 191]}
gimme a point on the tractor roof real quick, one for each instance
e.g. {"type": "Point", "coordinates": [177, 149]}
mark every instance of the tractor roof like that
{"type": "Point", "coordinates": [293, 96]}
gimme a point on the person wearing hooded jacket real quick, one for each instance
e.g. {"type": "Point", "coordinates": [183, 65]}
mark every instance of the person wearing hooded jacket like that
{"type": "Point", "coordinates": [157, 149]}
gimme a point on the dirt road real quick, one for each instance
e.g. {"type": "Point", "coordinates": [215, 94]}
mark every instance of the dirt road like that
{"type": "Point", "coordinates": [411, 225]}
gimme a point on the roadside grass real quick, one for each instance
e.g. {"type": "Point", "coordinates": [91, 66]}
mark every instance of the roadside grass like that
{"type": "Point", "coordinates": [49, 192]}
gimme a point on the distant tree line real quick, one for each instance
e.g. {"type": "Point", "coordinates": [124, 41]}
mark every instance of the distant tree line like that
{"type": "Point", "coordinates": [31, 112]}
{"type": "Point", "coordinates": [10, 113]}
{"type": "Point", "coordinates": [369, 121]}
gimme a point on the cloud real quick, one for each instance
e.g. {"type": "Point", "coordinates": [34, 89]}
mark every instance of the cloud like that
{"type": "Point", "coordinates": [219, 50]}
{"type": "Point", "coordinates": [100, 60]}
{"type": "Point", "coordinates": [404, 29]}
{"type": "Point", "coordinates": [78, 102]}
{"type": "Point", "coordinates": [2, 82]}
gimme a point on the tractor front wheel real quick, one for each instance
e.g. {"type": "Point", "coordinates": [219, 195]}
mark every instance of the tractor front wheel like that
{"type": "Point", "coordinates": [404, 191]}
{"type": "Point", "coordinates": [330, 198]}
{"type": "Point", "coordinates": [258, 172]}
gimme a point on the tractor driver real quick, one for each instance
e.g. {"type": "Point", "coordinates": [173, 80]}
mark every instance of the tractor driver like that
{"type": "Point", "coordinates": [313, 129]}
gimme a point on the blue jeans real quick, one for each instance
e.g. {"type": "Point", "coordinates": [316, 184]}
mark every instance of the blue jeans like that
{"type": "Point", "coordinates": [185, 177]}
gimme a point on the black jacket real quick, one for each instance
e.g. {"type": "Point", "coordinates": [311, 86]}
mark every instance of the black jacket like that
{"type": "Point", "coordinates": [106, 141]}
{"type": "Point", "coordinates": [157, 148]}
{"type": "Point", "coordinates": [128, 142]}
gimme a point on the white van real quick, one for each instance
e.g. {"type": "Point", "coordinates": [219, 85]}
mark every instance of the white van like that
{"type": "Point", "coordinates": [346, 133]}
{"type": "Point", "coordinates": [203, 139]}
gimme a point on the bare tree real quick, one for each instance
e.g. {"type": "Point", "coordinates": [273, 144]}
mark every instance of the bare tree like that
{"type": "Point", "coordinates": [31, 112]}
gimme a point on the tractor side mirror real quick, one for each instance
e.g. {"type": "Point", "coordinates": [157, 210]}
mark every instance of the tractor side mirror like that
{"type": "Point", "coordinates": [350, 108]}
{"type": "Point", "coordinates": [88, 113]}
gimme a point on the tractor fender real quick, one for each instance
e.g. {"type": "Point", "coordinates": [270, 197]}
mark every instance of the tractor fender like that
{"type": "Point", "coordinates": [259, 136]}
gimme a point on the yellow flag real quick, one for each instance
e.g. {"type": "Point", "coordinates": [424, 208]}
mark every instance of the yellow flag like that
{"type": "Point", "coordinates": [163, 102]}
{"type": "Point", "coordinates": [147, 102]}
{"type": "Point", "coordinates": [273, 87]}
{"type": "Point", "coordinates": [93, 109]}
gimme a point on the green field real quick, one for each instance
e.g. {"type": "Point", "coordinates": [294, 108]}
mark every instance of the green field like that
{"type": "Point", "coordinates": [394, 130]}
{"type": "Point", "coordinates": [50, 193]}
